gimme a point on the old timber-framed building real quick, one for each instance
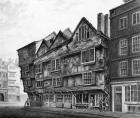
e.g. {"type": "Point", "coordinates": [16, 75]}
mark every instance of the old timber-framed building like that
{"type": "Point", "coordinates": [68, 70]}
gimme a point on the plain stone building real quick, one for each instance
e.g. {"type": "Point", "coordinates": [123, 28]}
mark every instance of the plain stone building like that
{"type": "Point", "coordinates": [125, 56]}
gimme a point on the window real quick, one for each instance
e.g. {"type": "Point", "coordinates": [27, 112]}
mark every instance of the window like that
{"type": "Point", "coordinates": [136, 18]}
{"type": "Point", "coordinates": [59, 98]}
{"type": "Point", "coordinates": [123, 22]}
{"type": "Point", "coordinates": [123, 46]}
{"type": "Point", "coordinates": [127, 93]}
{"type": "Point", "coordinates": [57, 82]}
{"type": "Point", "coordinates": [123, 68]}
{"type": "Point", "coordinates": [87, 78]}
{"type": "Point", "coordinates": [56, 64]}
{"type": "Point", "coordinates": [88, 56]}
{"type": "Point", "coordinates": [136, 67]}
{"type": "Point", "coordinates": [38, 68]}
{"type": "Point", "coordinates": [84, 33]}
{"type": "Point", "coordinates": [136, 44]}
{"type": "Point", "coordinates": [54, 82]}
{"type": "Point", "coordinates": [132, 93]}
{"type": "Point", "coordinates": [68, 98]}
{"type": "Point", "coordinates": [39, 83]}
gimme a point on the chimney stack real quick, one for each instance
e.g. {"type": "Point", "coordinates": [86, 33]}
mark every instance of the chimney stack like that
{"type": "Point", "coordinates": [103, 24]}
{"type": "Point", "coordinates": [100, 24]}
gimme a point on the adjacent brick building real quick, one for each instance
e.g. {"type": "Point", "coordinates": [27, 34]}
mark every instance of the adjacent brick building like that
{"type": "Point", "coordinates": [125, 56]}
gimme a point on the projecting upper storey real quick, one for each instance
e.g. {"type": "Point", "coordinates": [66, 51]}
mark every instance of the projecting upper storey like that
{"type": "Point", "coordinates": [27, 54]}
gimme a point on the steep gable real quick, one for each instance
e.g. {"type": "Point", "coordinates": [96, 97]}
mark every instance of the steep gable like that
{"type": "Point", "coordinates": [83, 32]}
{"type": "Point", "coordinates": [59, 40]}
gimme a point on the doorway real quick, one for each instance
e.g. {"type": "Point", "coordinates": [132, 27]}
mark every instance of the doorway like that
{"type": "Point", "coordinates": [118, 99]}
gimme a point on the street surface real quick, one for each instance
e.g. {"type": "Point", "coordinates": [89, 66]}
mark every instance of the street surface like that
{"type": "Point", "coordinates": [20, 112]}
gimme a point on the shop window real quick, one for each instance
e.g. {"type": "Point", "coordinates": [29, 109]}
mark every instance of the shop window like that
{"type": "Point", "coordinates": [132, 93]}
{"type": "Point", "coordinates": [88, 56]}
{"type": "Point", "coordinates": [85, 98]}
{"type": "Point", "coordinates": [59, 98]}
{"type": "Point", "coordinates": [79, 98]}
{"type": "Point", "coordinates": [68, 98]}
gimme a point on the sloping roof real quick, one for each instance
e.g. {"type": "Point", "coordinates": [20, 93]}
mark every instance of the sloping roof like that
{"type": "Point", "coordinates": [87, 22]}
{"type": "Point", "coordinates": [46, 39]}
{"type": "Point", "coordinates": [68, 33]}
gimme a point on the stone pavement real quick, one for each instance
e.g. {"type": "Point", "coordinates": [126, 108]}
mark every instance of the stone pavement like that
{"type": "Point", "coordinates": [86, 112]}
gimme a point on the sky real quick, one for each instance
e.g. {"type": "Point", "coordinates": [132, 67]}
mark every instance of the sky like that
{"type": "Point", "coordinates": [24, 21]}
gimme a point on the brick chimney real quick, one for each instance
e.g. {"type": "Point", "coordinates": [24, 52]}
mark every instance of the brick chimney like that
{"type": "Point", "coordinates": [103, 23]}
{"type": "Point", "coordinates": [100, 20]}
{"type": "Point", "coordinates": [106, 25]}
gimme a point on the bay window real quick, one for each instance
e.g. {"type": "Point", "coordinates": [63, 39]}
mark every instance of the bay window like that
{"type": "Point", "coordinates": [88, 56]}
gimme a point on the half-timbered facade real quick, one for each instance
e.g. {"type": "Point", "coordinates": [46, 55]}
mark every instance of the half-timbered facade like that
{"type": "Point", "coordinates": [71, 70]}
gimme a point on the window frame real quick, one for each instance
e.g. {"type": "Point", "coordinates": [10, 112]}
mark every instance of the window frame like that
{"type": "Point", "coordinates": [55, 64]}
{"type": "Point", "coordinates": [89, 56]}
{"type": "Point", "coordinates": [122, 47]}
{"type": "Point", "coordinates": [136, 36]}
{"type": "Point", "coordinates": [123, 23]}
{"type": "Point", "coordinates": [120, 73]}
{"type": "Point", "coordinates": [137, 23]}
{"type": "Point", "coordinates": [83, 79]}
{"type": "Point", "coordinates": [133, 67]}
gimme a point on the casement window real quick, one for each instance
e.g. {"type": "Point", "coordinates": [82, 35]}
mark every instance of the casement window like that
{"type": "Point", "coordinates": [124, 68]}
{"type": "Point", "coordinates": [123, 22]}
{"type": "Point", "coordinates": [132, 93]}
{"type": "Point", "coordinates": [27, 82]}
{"type": "Point", "coordinates": [57, 82]}
{"type": "Point", "coordinates": [136, 44]}
{"type": "Point", "coordinates": [136, 18]}
{"type": "Point", "coordinates": [38, 68]}
{"type": "Point", "coordinates": [56, 64]}
{"type": "Point", "coordinates": [123, 47]}
{"type": "Point", "coordinates": [87, 78]}
{"type": "Point", "coordinates": [39, 83]}
{"type": "Point", "coordinates": [84, 33]}
{"type": "Point", "coordinates": [136, 67]}
{"type": "Point", "coordinates": [88, 56]}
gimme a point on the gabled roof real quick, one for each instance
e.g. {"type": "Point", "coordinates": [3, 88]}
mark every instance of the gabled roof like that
{"type": "Point", "coordinates": [87, 22]}
{"type": "Point", "coordinates": [68, 33]}
{"type": "Point", "coordinates": [45, 40]}
{"type": "Point", "coordinates": [65, 35]}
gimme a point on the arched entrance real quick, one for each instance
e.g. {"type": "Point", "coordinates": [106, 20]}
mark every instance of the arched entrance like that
{"type": "Point", "coordinates": [1, 97]}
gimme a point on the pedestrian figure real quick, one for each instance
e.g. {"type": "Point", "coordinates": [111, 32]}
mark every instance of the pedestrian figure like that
{"type": "Point", "coordinates": [27, 103]}
{"type": "Point", "coordinates": [100, 104]}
